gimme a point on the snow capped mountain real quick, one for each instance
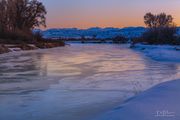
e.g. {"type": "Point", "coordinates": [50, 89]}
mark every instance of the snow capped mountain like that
{"type": "Point", "coordinates": [95, 32]}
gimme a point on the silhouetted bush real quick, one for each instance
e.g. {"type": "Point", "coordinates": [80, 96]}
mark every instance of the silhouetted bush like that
{"type": "Point", "coordinates": [177, 42]}
{"type": "Point", "coordinates": [37, 36]}
{"type": "Point", "coordinates": [160, 35]}
{"type": "Point", "coordinates": [120, 39]}
{"type": "Point", "coordinates": [49, 43]}
{"type": "Point", "coordinates": [15, 37]}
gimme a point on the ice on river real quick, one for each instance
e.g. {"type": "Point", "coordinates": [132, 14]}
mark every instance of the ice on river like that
{"type": "Point", "coordinates": [76, 82]}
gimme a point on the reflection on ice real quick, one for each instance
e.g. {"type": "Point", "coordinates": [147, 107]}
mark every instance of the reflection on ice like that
{"type": "Point", "coordinates": [75, 82]}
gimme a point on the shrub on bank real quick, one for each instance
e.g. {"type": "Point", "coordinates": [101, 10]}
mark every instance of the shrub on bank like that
{"type": "Point", "coordinates": [15, 37]}
{"type": "Point", "coordinates": [22, 40]}
{"type": "Point", "coordinates": [120, 39]}
{"type": "Point", "coordinates": [160, 35]}
{"type": "Point", "coordinates": [49, 44]}
{"type": "Point", "coordinates": [41, 42]}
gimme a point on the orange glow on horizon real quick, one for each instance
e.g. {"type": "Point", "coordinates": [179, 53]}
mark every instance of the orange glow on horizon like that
{"type": "Point", "coordinates": [102, 23]}
{"type": "Point", "coordinates": [106, 13]}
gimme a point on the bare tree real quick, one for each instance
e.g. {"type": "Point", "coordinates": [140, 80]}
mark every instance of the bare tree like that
{"type": "Point", "coordinates": [160, 20]}
{"type": "Point", "coordinates": [162, 29]}
{"type": "Point", "coordinates": [21, 14]}
{"type": "Point", "coordinates": [29, 14]}
{"type": "Point", "coordinates": [150, 20]}
{"type": "Point", "coordinates": [3, 15]}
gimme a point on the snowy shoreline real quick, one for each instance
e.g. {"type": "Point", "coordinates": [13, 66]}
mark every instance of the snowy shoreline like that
{"type": "Point", "coordinates": [162, 53]}
{"type": "Point", "coordinates": [157, 103]}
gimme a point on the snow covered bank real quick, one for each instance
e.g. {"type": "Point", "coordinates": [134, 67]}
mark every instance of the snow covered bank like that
{"type": "Point", "coordinates": [159, 103]}
{"type": "Point", "coordinates": [165, 53]}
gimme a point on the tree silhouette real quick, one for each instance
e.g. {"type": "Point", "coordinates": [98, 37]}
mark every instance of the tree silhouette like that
{"type": "Point", "coordinates": [162, 29]}
{"type": "Point", "coordinates": [21, 15]}
{"type": "Point", "coordinates": [3, 15]}
{"type": "Point", "coordinates": [160, 20]}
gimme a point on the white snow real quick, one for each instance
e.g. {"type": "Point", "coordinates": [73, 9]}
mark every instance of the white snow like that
{"type": "Point", "coordinates": [158, 103]}
{"type": "Point", "coordinates": [165, 53]}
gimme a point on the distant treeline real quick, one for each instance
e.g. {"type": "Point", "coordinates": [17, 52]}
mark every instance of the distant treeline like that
{"type": "Point", "coordinates": [119, 39]}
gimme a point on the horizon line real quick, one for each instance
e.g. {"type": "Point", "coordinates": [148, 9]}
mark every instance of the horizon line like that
{"type": "Point", "coordinates": [87, 27]}
{"type": "Point", "coordinates": [78, 28]}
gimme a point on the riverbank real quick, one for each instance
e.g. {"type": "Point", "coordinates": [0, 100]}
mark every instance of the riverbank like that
{"type": "Point", "coordinates": [5, 48]}
{"type": "Point", "coordinates": [162, 53]}
{"type": "Point", "coordinates": [158, 103]}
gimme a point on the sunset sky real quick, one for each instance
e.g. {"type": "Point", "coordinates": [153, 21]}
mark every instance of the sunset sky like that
{"type": "Point", "coordinates": [105, 13]}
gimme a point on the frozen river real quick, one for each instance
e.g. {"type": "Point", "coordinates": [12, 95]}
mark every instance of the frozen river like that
{"type": "Point", "coordinates": [77, 82]}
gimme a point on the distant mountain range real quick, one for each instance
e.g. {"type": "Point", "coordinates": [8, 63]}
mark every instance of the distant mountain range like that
{"type": "Point", "coordinates": [95, 32]}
